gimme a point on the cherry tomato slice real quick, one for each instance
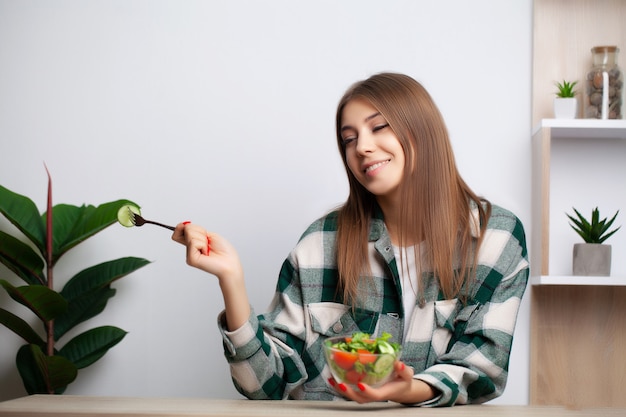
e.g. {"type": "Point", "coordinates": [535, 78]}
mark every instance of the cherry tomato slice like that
{"type": "Point", "coordinates": [366, 357]}
{"type": "Point", "coordinates": [344, 360]}
{"type": "Point", "coordinates": [353, 376]}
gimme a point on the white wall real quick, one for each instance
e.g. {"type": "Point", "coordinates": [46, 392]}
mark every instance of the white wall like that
{"type": "Point", "coordinates": [221, 112]}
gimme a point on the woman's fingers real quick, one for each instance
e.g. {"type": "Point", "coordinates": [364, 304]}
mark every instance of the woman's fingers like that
{"type": "Point", "coordinates": [363, 393]}
{"type": "Point", "coordinates": [179, 233]}
{"type": "Point", "coordinates": [195, 238]}
{"type": "Point", "coordinates": [403, 371]}
{"type": "Point", "coordinates": [197, 241]}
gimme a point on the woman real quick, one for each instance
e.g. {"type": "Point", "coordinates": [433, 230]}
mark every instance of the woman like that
{"type": "Point", "coordinates": [413, 252]}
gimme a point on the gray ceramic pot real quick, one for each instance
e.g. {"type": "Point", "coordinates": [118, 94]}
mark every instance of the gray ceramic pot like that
{"type": "Point", "coordinates": [592, 259]}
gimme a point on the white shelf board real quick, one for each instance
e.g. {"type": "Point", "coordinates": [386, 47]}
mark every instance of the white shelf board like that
{"type": "Point", "coordinates": [584, 128]}
{"type": "Point", "coordinates": [577, 280]}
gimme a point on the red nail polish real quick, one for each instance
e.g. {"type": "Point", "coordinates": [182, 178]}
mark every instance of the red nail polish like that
{"type": "Point", "coordinates": [331, 381]}
{"type": "Point", "coordinates": [361, 386]}
{"type": "Point", "coordinates": [343, 387]}
{"type": "Point", "coordinates": [208, 245]}
{"type": "Point", "coordinates": [187, 222]}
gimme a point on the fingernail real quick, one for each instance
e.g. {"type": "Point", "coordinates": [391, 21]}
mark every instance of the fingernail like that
{"type": "Point", "coordinates": [208, 245]}
{"type": "Point", "coordinates": [361, 386]}
{"type": "Point", "coordinates": [402, 366]}
{"type": "Point", "coordinates": [343, 387]}
{"type": "Point", "coordinates": [187, 222]}
{"type": "Point", "coordinates": [331, 381]}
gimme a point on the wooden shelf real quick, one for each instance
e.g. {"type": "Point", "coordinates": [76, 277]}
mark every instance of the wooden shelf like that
{"type": "Point", "coordinates": [584, 128]}
{"type": "Point", "coordinates": [610, 135]}
{"type": "Point", "coordinates": [577, 280]}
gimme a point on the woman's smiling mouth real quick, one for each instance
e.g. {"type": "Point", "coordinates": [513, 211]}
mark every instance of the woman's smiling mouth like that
{"type": "Point", "coordinates": [375, 166]}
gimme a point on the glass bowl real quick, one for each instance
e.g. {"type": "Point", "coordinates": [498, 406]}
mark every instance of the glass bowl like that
{"type": "Point", "coordinates": [362, 366]}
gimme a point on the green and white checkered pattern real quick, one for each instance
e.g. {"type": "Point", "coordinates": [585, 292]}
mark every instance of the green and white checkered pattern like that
{"type": "Point", "coordinates": [460, 349]}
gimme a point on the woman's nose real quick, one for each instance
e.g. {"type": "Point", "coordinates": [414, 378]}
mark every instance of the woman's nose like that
{"type": "Point", "coordinates": [365, 144]}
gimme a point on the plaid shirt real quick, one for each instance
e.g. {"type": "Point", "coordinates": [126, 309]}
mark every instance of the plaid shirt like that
{"type": "Point", "coordinates": [461, 349]}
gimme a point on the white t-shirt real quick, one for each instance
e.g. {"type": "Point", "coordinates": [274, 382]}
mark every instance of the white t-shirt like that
{"type": "Point", "coordinates": [407, 268]}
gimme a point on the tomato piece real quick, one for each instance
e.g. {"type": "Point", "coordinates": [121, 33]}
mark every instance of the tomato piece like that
{"type": "Point", "coordinates": [366, 357]}
{"type": "Point", "coordinates": [354, 377]}
{"type": "Point", "coordinates": [344, 360]}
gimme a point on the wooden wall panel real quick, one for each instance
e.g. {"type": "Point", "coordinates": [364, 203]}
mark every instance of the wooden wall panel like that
{"type": "Point", "coordinates": [578, 333]}
{"type": "Point", "coordinates": [578, 346]}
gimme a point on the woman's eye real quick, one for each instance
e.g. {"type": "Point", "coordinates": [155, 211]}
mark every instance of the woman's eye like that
{"type": "Point", "coordinates": [380, 127]}
{"type": "Point", "coordinates": [348, 140]}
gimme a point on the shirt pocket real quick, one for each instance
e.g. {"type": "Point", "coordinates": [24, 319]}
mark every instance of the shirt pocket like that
{"type": "Point", "coordinates": [451, 319]}
{"type": "Point", "coordinates": [333, 319]}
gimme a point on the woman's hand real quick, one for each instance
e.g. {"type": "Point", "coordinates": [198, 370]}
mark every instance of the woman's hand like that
{"type": "Point", "coordinates": [402, 389]}
{"type": "Point", "coordinates": [208, 251]}
{"type": "Point", "coordinates": [212, 253]}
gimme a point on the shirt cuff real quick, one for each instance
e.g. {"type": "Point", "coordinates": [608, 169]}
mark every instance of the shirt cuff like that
{"type": "Point", "coordinates": [237, 342]}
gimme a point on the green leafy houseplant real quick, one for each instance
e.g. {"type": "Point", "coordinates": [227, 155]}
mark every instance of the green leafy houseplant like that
{"type": "Point", "coordinates": [594, 231]}
{"type": "Point", "coordinates": [566, 89]}
{"type": "Point", "coordinates": [43, 367]}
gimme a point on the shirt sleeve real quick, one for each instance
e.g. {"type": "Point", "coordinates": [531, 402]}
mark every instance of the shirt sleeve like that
{"type": "Point", "coordinates": [264, 354]}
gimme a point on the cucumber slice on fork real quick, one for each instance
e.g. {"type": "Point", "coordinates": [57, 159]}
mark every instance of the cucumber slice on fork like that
{"type": "Point", "coordinates": [125, 215]}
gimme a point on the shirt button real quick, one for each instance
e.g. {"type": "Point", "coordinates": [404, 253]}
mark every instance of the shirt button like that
{"type": "Point", "coordinates": [337, 327]}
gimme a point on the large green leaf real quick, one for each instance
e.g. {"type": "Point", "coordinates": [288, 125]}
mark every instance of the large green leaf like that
{"type": "Point", "coordinates": [23, 214]}
{"type": "Point", "coordinates": [43, 374]}
{"type": "Point", "coordinates": [88, 291]}
{"type": "Point", "coordinates": [44, 302]}
{"type": "Point", "coordinates": [88, 347]}
{"type": "Point", "coordinates": [19, 327]}
{"type": "Point", "coordinates": [29, 371]}
{"type": "Point", "coordinates": [100, 275]}
{"type": "Point", "coordinates": [81, 309]}
{"type": "Point", "coordinates": [72, 225]}
{"type": "Point", "coordinates": [21, 259]}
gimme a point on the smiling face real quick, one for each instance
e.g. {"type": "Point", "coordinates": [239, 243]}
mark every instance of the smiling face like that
{"type": "Point", "coordinates": [373, 152]}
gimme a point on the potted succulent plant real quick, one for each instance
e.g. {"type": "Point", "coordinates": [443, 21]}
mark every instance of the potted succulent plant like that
{"type": "Point", "coordinates": [592, 258]}
{"type": "Point", "coordinates": [565, 102]}
{"type": "Point", "coordinates": [45, 365]}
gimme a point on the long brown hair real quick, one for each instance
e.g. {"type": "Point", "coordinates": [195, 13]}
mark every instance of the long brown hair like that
{"type": "Point", "coordinates": [436, 201]}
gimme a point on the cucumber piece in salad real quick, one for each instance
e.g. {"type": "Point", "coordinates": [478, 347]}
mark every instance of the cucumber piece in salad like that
{"type": "Point", "coordinates": [386, 347]}
{"type": "Point", "coordinates": [384, 363]}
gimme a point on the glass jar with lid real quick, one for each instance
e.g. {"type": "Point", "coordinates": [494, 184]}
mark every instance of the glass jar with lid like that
{"type": "Point", "coordinates": [604, 85]}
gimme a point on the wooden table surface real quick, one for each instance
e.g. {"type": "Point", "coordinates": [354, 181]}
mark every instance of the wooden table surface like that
{"type": "Point", "coordinates": [83, 406]}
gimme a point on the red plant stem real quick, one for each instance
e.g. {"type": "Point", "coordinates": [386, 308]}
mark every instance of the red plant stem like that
{"type": "Point", "coordinates": [50, 323]}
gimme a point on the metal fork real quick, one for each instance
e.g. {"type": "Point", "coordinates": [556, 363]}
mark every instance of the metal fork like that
{"type": "Point", "coordinates": [137, 220]}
